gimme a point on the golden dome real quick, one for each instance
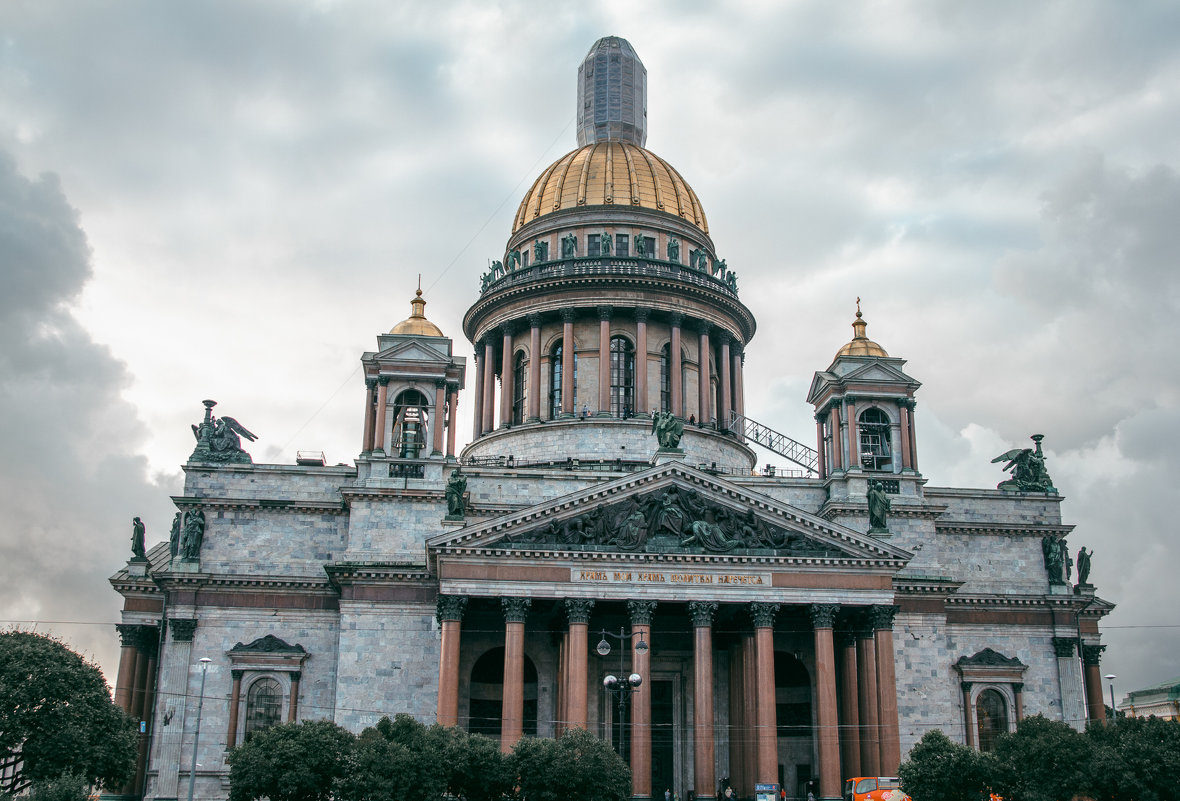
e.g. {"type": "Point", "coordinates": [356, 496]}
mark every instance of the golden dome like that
{"type": "Point", "coordinates": [861, 345]}
{"type": "Point", "coordinates": [611, 174]}
{"type": "Point", "coordinates": [417, 324]}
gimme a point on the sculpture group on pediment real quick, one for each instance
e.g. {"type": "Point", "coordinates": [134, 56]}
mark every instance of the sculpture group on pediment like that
{"type": "Point", "coordinates": [671, 519]}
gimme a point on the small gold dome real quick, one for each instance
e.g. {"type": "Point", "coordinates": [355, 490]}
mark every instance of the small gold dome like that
{"type": "Point", "coordinates": [611, 174]}
{"type": "Point", "coordinates": [861, 345]}
{"type": "Point", "coordinates": [417, 324]}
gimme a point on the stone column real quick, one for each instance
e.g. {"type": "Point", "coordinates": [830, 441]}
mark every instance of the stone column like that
{"type": "Point", "coordinates": [853, 436]}
{"type": "Point", "coordinates": [562, 702]}
{"type": "Point", "coordinates": [866, 701]}
{"type": "Point", "coordinates": [968, 729]}
{"type": "Point", "coordinates": [750, 731]}
{"type": "Point", "coordinates": [1091, 656]}
{"type": "Point", "coordinates": [293, 709]}
{"type": "Point", "coordinates": [604, 315]}
{"type": "Point", "coordinates": [139, 686]}
{"type": "Point", "coordinates": [489, 384]}
{"type": "Point", "coordinates": [641, 615]}
{"type": "Point", "coordinates": [382, 399]}
{"type": "Point", "coordinates": [702, 698]}
{"type": "Point", "coordinates": [149, 645]}
{"type": "Point", "coordinates": [128, 654]}
{"type": "Point", "coordinates": [1069, 674]}
{"type": "Point", "coordinates": [452, 417]}
{"type": "Point", "coordinates": [641, 362]}
{"type": "Point", "coordinates": [705, 377]}
{"type": "Point", "coordinates": [823, 617]}
{"type": "Point", "coordinates": [174, 691]}
{"type": "Point", "coordinates": [850, 719]}
{"type": "Point", "coordinates": [887, 717]}
{"type": "Point", "coordinates": [763, 615]}
{"type": "Point", "coordinates": [370, 401]}
{"type": "Point", "coordinates": [516, 610]}
{"type": "Point", "coordinates": [1018, 694]}
{"type": "Point", "coordinates": [477, 429]}
{"type": "Point", "coordinates": [837, 446]}
{"type": "Point", "coordinates": [677, 377]}
{"type": "Point", "coordinates": [913, 435]}
{"type": "Point", "coordinates": [904, 414]}
{"type": "Point", "coordinates": [723, 365]}
{"type": "Point", "coordinates": [534, 386]}
{"type": "Point", "coordinates": [737, 721]}
{"type": "Point", "coordinates": [821, 446]}
{"type": "Point", "coordinates": [567, 362]}
{"type": "Point", "coordinates": [235, 700]}
{"type": "Point", "coordinates": [507, 376]}
{"type": "Point", "coordinates": [449, 612]}
{"type": "Point", "coordinates": [439, 416]}
{"type": "Point", "coordinates": [577, 652]}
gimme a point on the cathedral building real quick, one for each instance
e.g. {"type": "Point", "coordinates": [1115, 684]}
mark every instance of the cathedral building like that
{"type": "Point", "coordinates": [604, 553]}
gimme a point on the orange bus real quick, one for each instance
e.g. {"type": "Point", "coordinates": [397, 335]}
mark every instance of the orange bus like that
{"type": "Point", "coordinates": [874, 788]}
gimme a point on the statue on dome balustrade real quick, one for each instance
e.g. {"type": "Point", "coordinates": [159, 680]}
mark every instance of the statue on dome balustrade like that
{"type": "Point", "coordinates": [640, 246]}
{"type": "Point", "coordinates": [540, 251]}
{"type": "Point", "coordinates": [569, 246]}
{"type": "Point", "coordinates": [674, 249]}
{"type": "Point", "coordinates": [604, 243]}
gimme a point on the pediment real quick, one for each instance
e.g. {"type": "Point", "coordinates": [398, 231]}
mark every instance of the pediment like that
{"type": "Point", "coordinates": [877, 370]}
{"type": "Point", "coordinates": [413, 351]}
{"type": "Point", "coordinates": [670, 509]}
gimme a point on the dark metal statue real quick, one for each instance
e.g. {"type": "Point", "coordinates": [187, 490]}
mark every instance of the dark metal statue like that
{"type": "Point", "coordinates": [174, 536]}
{"type": "Point", "coordinates": [540, 251]}
{"type": "Point", "coordinates": [1084, 566]}
{"type": "Point", "coordinates": [192, 535]}
{"type": "Point", "coordinates": [569, 246]}
{"type": "Point", "coordinates": [513, 260]}
{"type": "Point", "coordinates": [1057, 561]}
{"type": "Point", "coordinates": [674, 249]}
{"type": "Point", "coordinates": [456, 495]}
{"type": "Point", "coordinates": [1028, 469]}
{"type": "Point", "coordinates": [138, 534]}
{"type": "Point", "coordinates": [640, 246]}
{"type": "Point", "coordinates": [668, 429]}
{"type": "Point", "coordinates": [604, 243]}
{"type": "Point", "coordinates": [218, 439]}
{"type": "Point", "coordinates": [879, 505]}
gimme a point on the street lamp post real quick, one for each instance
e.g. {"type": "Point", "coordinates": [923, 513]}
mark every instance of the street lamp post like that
{"type": "Point", "coordinates": [1113, 711]}
{"type": "Point", "coordinates": [192, 772]}
{"type": "Point", "coordinates": [617, 685]}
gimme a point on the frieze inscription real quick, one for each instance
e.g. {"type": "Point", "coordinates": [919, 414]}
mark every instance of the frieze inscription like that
{"type": "Point", "coordinates": [591, 576]}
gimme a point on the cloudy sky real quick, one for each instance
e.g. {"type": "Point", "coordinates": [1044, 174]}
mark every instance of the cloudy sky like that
{"type": "Point", "coordinates": [229, 200]}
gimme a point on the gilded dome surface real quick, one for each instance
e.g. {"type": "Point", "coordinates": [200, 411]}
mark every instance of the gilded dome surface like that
{"type": "Point", "coordinates": [861, 345]}
{"type": "Point", "coordinates": [611, 174]}
{"type": "Point", "coordinates": [417, 324]}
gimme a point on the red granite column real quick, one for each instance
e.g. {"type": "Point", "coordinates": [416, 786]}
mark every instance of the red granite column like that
{"type": "Point", "coordinates": [723, 366]}
{"type": "Point", "coordinates": [641, 615]}
{"type": "Point", "coordinates": [235, 700]}
{"type": "Point", "coordinates": [866, 669]}
{"type": "Point", "coordinates": [737, 721]}
{"type": "Point", "coordinates": [705, 376]}
{"type": "Point", "coordinates": [534, 387]}
{"type": "Point", "coordinates": [677, 377]}
{"type": "Point", "coordinates": [370, 402]}
{"type": "Point", "coordinates": [968, 729]}
{"type": "Point", "coordinates": [516, 610]}
{"type": "Point", "coordinates": [604, 314]}
{"type": "Point", "coordinates": [452, 418]}
{"type": "Point", "coordinates": [913, 435]}
{"type": "Point", "coordinates": [150, 643]}
{"type": "Point", "coordinates": [763, 615]}
{"type": "Point", "coordinates": [489, 384]}
{"type": "Point", "coordinates": [1091, 656]}
{"type": "Point", "coordinates": [1018, 693]}
{"type": "Point", "coordinates": [577, 652]}
{"type": "Point", "coordinates": [823, 617]}
{"type": "Point", "coordinates": [507, 376]}
{"type": "Point", "coordinates": [449, 612]}
{"type": "Point", "coordinates": [904, 414]}
{"type": "Point", "coordinates": [739, 390]}
{"type": "Point", "coordinates": [853, 435]}
{"type": "Point", "coordinates": [439, 416]}
{"type": "Point", "coordinates": [477, 416]}
{"type": "Point", "coordinates": [750, 741]}
{"type": "Point", "coordinates": [562, 714]}
{"type": "Point", "coordinates": [887, 716]}
{"type": "Point", "coordinates": [850, 720]}
{"type": "Point", "coordinates": [567, 362]}
{"type": "Point", "coordinates": [702, 698]}
{"type": "Point", "coordinates": [821, 446]}
{"type": "Point", "coordinates": [641, 361]}
{"type": "Point", "coordinates": [293, 708]}
{"type": "Point", "coordinates": [837, 446]}
{"type": "Point", "coordinates": [382, 399]}
{"type": "Point", "coordinates": [128, 654]}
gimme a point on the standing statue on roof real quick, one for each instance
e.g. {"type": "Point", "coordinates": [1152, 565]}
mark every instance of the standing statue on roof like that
{"type": "Point", "coordinates": [1084, 566]}
{"type": "Point", "coordinates": [879, 506]}
{"type": "Point", "coordinates": [138, 533]}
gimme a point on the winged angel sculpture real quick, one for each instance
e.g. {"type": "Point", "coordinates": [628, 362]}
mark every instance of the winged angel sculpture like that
{"type": "Point", "coordinates": [1028, 469]}
{"type": "Point", "coordinates": [219, 439]}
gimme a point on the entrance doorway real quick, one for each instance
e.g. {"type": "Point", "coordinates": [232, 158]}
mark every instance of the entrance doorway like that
{"type": "Point", "coordinates": [663, 752]}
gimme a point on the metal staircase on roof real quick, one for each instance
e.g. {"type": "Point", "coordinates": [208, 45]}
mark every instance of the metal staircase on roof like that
{"type": "Point", "coordinates": [772, 440]}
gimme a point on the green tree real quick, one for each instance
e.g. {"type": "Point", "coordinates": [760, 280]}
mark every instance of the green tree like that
{"type": "Point", "coordinates": [396, 760]}
{"type": "Point", "coordinates": [291, 762]}
{"type": "Point", "coordinates": [1043, 760]}
{"type": "Point", "coordinates": [67, 787]}
{"type": "Point", "coordinates": [575, 767]}
{"type": "Point", "coordinates": [1137, 759]}
{"type": "Point", "coordinates": [57, 718]}
{"type": "Point", "coordinates": [941, 770]}
{"type": "Point", "coordinates": [478, 770]}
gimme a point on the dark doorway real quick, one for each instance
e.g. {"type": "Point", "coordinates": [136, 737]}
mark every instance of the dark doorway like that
{"type": "Point", "coordinates": [487, 695]}
{"type": "Point", "coordinates": [663, 768]}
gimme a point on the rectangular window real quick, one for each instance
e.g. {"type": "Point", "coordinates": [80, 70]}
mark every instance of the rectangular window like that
{"type": "Point", "coordinates": [524, 255]}
{"type": "Point", "coordinates": [592, 246]}
{"type": "Point", "coordinates": [649, 246]}
{"type": "Point", "coordinates": [622, 245]}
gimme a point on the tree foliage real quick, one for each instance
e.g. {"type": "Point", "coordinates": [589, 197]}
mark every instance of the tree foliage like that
{"type": "Point", "coordinates": [575, 767]}
{"type": "Point", "coordinates": [291, 762]}
{"type": "Point", "coordinates": [941, 770]}
{"type": "Point", "coordinates": [57, 718]}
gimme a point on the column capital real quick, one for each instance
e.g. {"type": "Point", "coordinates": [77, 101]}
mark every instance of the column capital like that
{"type": "Point", "coordinates": [516, 610]}
{"type": "Point", "coordinates": [507, 329]}
{"type": "Point", "coordinates": [844, 638]}
{"type": "Point", "coordinates": [182, 628]}
{"type": "Point", "coordinates": [763, 614]}
{"type": "Point", "coordinates": [965, 686]}
{"type": "Point", "coordinates": [295, 675]}
{"type": "Point", "coordinates": [1092, 654]}
{"type": "Point", "coordinates": [450, 607]}
{"type": "Point", "coordinates": [850, 400]}
{"type": "Point", "coordinates": [675, 319]}
{"type": "Point", "coordinates": [821, 417]}
{"type": "Point", "coordinates": [534, 320]}
{"type": "Point", "coordinates": [370, 383]}
{"type": "Point", "coordinates": [1018, 687]}
{"type": "Point", "coordinates": [702, 612]}
{"type": "Point", "coordinates": [703, 327]}
{"type": "Point", "coordinates": [605, 312]}
{"type": "Point", "coordinates": [440, 383]}
{"type": "Point", "coordinates": [723, 337]}
{"type": "Point", "coordinates": [237, 674]}
{"type": "Point", "coordinates": [578, 609]}
{"type": "Point", "coordinates": [881, 617]}
{"type": "Point", "coordinates": [1065, 647]}
{"type": "Point", "coordinates": [568, 315]}
{"type": "Point", "coordinates": [383, 380]}
{"type": "Point", "coordinates": [641, 315]}
{"type": "Point", "coordinates": [641, 612]}
{"type": "Point", "coordinates": [452, 386]}
{"type": "Point", "coordinates": [823, 616]}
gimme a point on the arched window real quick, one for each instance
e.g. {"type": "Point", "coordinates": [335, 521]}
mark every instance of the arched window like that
{"type": "Point", "coordinates": [555, 388]}
{"type": "Point", "coordinates": [264, 705]}
{"type": "Point", "coordinates": [487, 694]}
{"type": "Point", "coordinates": [991, 714]}
{"type": "Point", "coordinates": [411, 411]}
{"type": "Point", "coordinates": [622, 377]}
{"type": "Point", "coordinates": [875, 434]}
{"type": "Point", "coordinates": [518, 372]}
{"type": "Point", "coordinates": [666, 378]}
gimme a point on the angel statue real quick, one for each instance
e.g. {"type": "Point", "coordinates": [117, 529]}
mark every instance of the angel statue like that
{"type": "Point", "coordinates": [1028, 469]}
{"type": "Point", "coordinates": [668, 429]}
{"type": "Point", "coordinates": [219, 439]}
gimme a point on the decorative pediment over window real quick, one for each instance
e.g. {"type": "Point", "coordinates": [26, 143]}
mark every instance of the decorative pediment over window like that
{"type": "Point", "coordinates": [990, 665]}
{"type": "Point", "coordinates": [267, 653]}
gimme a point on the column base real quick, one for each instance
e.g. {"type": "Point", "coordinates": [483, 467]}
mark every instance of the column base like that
{"type": "Point", "coordinates": [603, 414]}
{"type": "Point", "coordinates": [532, 419]}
